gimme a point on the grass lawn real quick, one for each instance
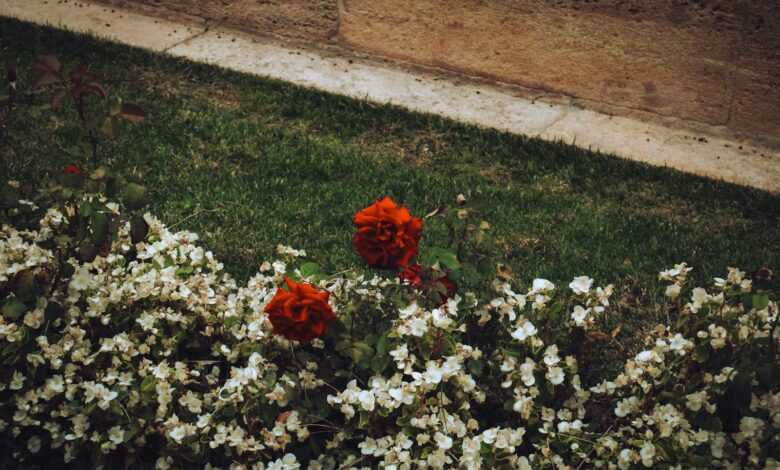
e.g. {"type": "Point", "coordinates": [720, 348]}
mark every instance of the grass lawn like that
{"type": "Point", "coordinates": [249, 163]}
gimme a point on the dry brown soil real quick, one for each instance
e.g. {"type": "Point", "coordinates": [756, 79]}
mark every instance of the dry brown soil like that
{"type": "Point", "coordinates": [715, 62]}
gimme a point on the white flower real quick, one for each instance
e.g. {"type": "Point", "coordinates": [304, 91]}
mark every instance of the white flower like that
{"type": "Point", "coordinates": [17, 380]}
{"type": "Point", "coordinates": [647, 356]}
{"type": "Point", "coordinates": [625, 459]}
{"type": "Point", "coordinates": [626, 406]}
{"type": "Point", "coordinates": [368, 447]}
{"type": "Point", "coordinates": [527, 372]}
{"type": "Point", "coordinates": [116, 435]}
{"type": "Point", "coordinates": [366, 399]}
{"type": "Point", "coordinates": [433, 374]}
{"type": "Point", "coordinates": [673, 291]}
{"type": "Point", "coordinates": [34, 444]}
{"type": "Point", "coordinates": [678, 343]}
{"type": "Point", "coordinates": [409, 310]}
{"type": "Point", "coordinates": [444, 442]}
{"type": "Point", "coordinates": [679, 271]}
{"type": "Point", "coordinates": [418, 327]}
{"type": "Point", "coordinates": [555, 375]}
{"type": "Point", "coordinates": [192, 402]}
{"type": "Point", "coordinates": [178, 434]}
{"type": "Point", "coordinates": [542, 285]}
{"type": "Point", "coordinates": [581, 285]}
{"type": "Point", "coordinates": [646, 453]}
{"type": "Point", "coordinates": [526, 330]}
{"type": "Point", "coordinates": [579, 315]}
{"type": "Point", "coordinates": [695, 400]}
{"type": "Point", "coordinates": [288, 462]}
{"type": "Point", "coordinates": [82, 279]}
{"type": "Point", "coordinates": [441, 318]}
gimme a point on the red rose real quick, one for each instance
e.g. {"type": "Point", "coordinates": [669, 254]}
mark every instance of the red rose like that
{"type": "Point", "coordinates": [424, 279]}
{"type": "Point", "coordinates": [301, 312]}
{"type": "Point", "coordinates": [72, 170]}
{"type": "Point", "coordinates": [387, 235]}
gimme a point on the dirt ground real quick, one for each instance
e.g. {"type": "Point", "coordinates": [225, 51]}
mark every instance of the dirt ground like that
{"type": "Point", "coordinates": [311, 20]}
{"type": "Point", "coordinates": [710, 62]}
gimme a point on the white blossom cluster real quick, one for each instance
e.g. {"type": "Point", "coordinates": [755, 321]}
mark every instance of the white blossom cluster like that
{"type": "Point", "coordinates": [153, 346]}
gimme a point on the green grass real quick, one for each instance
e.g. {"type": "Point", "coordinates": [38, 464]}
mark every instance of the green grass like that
{"type": "Point", "coordinates": [249, 163]}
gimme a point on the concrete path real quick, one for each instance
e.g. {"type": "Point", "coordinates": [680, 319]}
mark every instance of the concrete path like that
{"type": "Point", "coordinates": [506, 108]}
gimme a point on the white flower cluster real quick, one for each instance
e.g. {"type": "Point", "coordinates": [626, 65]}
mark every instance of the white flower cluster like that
{"type": "Point", "coordinates": [153, 346]}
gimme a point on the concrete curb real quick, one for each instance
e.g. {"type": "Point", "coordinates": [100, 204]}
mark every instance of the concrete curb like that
{"type": "Point", "coordinates": [486, 105]}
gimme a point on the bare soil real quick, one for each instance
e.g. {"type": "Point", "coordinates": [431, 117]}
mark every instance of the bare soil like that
{"type": "Point", "coordinates": [710, 62]}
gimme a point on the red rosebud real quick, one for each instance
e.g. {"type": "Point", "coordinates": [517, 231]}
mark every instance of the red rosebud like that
{"type": "Point", "coordinates": [449, 287]}
{"type": "Point", "coordinates": [72, 170]}
{"type": "Point", "coordinates": [387, 235]}
{"type": "Point", "coordinates": [411, 274]}
{"type": "Point", "coordinates": [423, 279]}
{"type": "Point", "coordinates": [301, 312]}
{"type": "Point", "coordinates": [763, 275]}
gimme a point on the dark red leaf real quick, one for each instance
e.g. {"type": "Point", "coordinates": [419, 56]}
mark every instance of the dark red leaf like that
{"type": "Point", "coordinates": [46, 78]}
{"type": "Point", "coordinates": [48, 62]}
{"type": "Point", "coordinates": [81, 75]}
{"type": "Point", "coordinates": [132, 112]}
{"type": "Point", "coordinates": [88, 89]}
{"type": "Point", "coordinates": [56, 100]}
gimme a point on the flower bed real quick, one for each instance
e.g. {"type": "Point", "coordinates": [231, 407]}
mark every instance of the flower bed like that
{"type": "Point", "coordinates": [140, 351]}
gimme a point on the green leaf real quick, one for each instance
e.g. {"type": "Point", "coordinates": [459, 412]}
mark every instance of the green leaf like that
{"type": "Point", "coordinates": [361, 352]}
{"type": "Point", "coordinates": [768, 375]}
{"type": "Point", "coordinates": [9, 196]}
{"type": "Point", "coordinates": [371, 340]}
{"type": "Point", "coordinates": [53, 311]}
{"type": "Point", "coordinates": [71, 180]}
{"type": "Point", "coordinates": [760, 301]}
{"type": "Point", "coordinates": [135, 196]}
{"type": "Point", "coordinates": [25, 286]}
{"type": "Point", "coordinates": [185, 271]}
{"type": "Point", "coordinates": [710, 423]}
{"type": "Point", "coordinates": [379, 363]}
{"type": "Point", "coordinates": [382, 345]}
{"type": "Point", "coordinates": [86, 209]}
{"type": "Point", "coordinates": [109, 128]}
{"type": "Point", "coordinates": [99, 225]}
{"type": "Point", "coordinates": [336, 329]}
{"type": "Point", "coordinates": [138, 229]}
{"type": "Point", "coordinates": [310, 269]}
{"type": "Point", "coordinates": [231, 321]}
{"type": "Point", "coordinates": [115, 107]}
{"type": "Point", "coordinates": [343, 346]}
{"type": "Point", "coordinates": [148, 385]}
{"type": "Point", "coordinates": [87, 251]}
{"type": "Point", "coordinates": [13, 309]}
{"type": "Point", "coordinates": [475, 366]}
{"type": "Point", "coordinates": [444, 257]}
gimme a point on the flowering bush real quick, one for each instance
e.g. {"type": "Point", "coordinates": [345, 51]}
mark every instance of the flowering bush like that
{"type": "Point", "coordinates": [148, 355]}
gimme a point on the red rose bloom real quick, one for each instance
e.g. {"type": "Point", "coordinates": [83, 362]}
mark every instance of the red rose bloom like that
{"type": "Point", "coordinates": [387, 235]}
{"type": "Point", "coordinates": [301, 312]}
{"type": "Point", "coordinates": [423, 279]}
{"type": "Point", "coordinates": [72, 170]}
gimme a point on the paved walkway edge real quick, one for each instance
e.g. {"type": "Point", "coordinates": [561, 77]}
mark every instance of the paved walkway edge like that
{"type": "Point", "coordinates": [452, 97]}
